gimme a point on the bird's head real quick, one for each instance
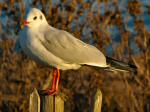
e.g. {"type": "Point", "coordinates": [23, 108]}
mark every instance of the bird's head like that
{"type": "Point", "coordinates": [34, 18]}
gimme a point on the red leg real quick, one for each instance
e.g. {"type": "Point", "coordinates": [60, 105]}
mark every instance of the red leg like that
{"type": "Point", "coordinates": [58, 79]}
{"type": "Point", "coordinates": [56, 84]}
{"type": "Point", "coordinates": [53, 88]}
{"type": "Point", "coordinates": [54, 80]}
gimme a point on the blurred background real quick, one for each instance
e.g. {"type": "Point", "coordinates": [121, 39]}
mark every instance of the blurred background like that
{"type": "Point", "coordinates": [119, 28]}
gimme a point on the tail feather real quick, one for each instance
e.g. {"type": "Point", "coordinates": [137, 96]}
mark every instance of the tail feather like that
{"type": "Point", "coordinates": [120, 66]}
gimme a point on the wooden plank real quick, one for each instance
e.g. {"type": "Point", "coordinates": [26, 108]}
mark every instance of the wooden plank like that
{"type": "Point", "coordinates": [59, 104]}
{"type": "Point", "coordinates": [97, 101]}
{"type": "Point", "coordinates": [34, 103]}
{"type": "Point", "coordinates": [47, 103]}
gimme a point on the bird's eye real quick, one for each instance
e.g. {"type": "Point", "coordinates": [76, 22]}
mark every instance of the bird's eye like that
{"type": "Point", "coordinates": [41, 17]}
{"type": "Point", "coordinates": [35, 18]}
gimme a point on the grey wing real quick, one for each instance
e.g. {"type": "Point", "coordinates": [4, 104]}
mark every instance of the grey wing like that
{"type": "Point", "coordinates": [65, 46]}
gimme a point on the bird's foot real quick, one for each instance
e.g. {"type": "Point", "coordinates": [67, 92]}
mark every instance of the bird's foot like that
{"type": "Point", "coordinates": [48, 92]}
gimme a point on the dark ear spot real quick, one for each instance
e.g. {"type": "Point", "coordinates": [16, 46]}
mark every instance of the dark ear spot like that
{"type": "Point", "coordinates": [35, 18]}
{"type": "Point", "coordinates": [41, 17]}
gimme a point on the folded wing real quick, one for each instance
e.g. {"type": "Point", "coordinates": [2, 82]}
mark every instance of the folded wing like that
{"type": "Point", "coordinates": [65, 46]}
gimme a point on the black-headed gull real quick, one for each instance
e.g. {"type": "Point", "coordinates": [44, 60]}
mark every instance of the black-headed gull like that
{"type": "Point", "coordinates": [60, 49]}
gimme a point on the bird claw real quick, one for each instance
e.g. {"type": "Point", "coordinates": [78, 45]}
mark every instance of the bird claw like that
{"type": "Point", "coordinates": [50, 92]}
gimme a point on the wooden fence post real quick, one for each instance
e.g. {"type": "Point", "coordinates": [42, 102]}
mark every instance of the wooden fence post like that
{"type": "Point", "coordinates": [34, 103]}
{"type": "Point", "coordinates": [56, 103]}
{"type": "Point", "coordinates": [45, 103]}
{"type": "Point", "coordinates": [97, 101]}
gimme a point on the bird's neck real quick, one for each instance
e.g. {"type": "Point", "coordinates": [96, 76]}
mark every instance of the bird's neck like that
{"type": "Point", "coordinates": [40, 28]}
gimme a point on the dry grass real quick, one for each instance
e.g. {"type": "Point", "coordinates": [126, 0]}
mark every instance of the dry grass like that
{"type": "Point", "coordinates": [121, 92]}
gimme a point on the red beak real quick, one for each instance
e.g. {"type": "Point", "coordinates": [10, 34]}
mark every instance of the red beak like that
{"type": "Point", "coordinates": [26, 23]}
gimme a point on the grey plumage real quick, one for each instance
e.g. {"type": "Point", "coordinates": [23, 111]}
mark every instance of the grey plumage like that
{"type": "Point", "coordinates": [72, 50]}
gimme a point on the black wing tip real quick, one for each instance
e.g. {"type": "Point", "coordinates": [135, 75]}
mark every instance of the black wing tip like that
{"type": "Point", "coordinates": [122, 65]}
{"type": "Point", "coordinates": [132, 66]}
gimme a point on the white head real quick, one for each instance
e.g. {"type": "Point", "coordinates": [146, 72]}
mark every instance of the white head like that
{"type": "Point", "coordinates": [34, 18]}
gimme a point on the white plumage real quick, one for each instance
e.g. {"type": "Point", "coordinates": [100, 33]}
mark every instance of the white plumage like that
{"type": "Point", "coordinates": [55, 47]}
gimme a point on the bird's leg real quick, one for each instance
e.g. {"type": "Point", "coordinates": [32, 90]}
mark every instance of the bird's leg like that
{"type": "Point", "coordinates": [53, 88]}
{"type": "Point", "coordinates": [57, 80]}
{"type": "Point", "coordinates": [54, 80]}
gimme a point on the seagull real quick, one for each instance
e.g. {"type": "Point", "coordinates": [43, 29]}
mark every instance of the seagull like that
{"type": "Point", "coordinates": [60, 49]}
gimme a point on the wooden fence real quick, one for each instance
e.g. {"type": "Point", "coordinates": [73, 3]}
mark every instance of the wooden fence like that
{"type": "Point", "coordinates": [56, 103]}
